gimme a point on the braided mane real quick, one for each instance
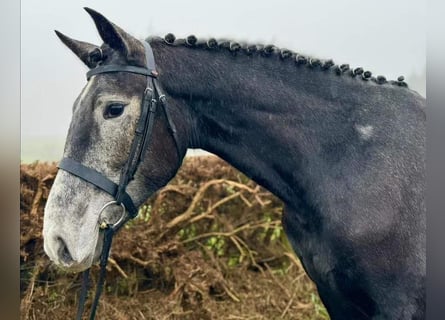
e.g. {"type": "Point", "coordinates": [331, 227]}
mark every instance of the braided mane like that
{"type": "Point", "coordinates": [284, 54]}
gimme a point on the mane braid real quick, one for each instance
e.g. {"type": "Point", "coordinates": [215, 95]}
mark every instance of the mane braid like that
{"type": "Point", "coordinates": [191, 40]}
{"type": "Point", "coordinates": [283, 54]}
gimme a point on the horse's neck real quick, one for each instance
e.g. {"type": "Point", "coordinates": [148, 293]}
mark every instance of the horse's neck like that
{"type": "Point", "coordinates": [260, 115]}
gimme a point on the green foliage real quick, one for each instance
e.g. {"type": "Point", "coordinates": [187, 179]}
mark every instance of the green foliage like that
{"type": "Point", "coordinates": [271, 231]}
{"type": "Point", "coordinates": [53, 296]}
{"type": "Point", "coordinates": [230, 189]}
{"type": "Point", "coordinates": [217, 244]}
{"type": "Point", "coordinates": [188, 232]}
{"type": "Point", "coordinates": [242, 178]}
{"type": "Point", "coordinates": [235, 260]}
{"type": "Point", "coordinates": [320, 309]}
{"type": "Point", "coordinates": [145, 213]}
{"type": "Point", "coordinates": [276, 233]}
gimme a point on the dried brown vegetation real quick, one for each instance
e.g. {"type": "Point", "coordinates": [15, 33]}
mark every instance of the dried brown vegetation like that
{"type": "Point", "coordinates": [208, 246]}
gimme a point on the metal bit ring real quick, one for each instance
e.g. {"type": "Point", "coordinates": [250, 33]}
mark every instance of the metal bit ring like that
{"type": "Point", "coordinates": [104, 225]}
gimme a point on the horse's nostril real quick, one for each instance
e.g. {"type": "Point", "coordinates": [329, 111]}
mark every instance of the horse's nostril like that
{"type": "Point", "coordinates": [64, 253]}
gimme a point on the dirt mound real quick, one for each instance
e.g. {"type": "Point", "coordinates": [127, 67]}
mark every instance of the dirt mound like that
{"type": "Point", "coordinates": [208, 246]}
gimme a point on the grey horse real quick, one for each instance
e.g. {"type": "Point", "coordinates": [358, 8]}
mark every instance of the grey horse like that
{"type": "Point", "coordinates": [344, 151]}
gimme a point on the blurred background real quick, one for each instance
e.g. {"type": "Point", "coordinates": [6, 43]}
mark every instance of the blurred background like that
{"type": "Point", "coordinates": [385, 37]}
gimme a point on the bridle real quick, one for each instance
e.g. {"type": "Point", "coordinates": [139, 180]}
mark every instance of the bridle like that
{"type": "Point", "coordinates": [151, 98]}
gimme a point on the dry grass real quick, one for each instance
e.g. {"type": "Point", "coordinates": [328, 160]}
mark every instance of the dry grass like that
{"type": "Point", "coordinates": [208, 246]}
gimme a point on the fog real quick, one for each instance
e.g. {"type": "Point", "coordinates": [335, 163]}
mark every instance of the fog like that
{"type": "Point", "coordinates": [385, 37]}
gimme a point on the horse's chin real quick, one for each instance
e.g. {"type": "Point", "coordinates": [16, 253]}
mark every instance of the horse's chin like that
{"type": "Point", "coordinates": [74, 268]}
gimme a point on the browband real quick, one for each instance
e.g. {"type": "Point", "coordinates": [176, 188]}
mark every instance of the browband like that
{"type": "Point", "coordinates": [120, 68]}
{"type": "Point", "coordinates": [149, 71]}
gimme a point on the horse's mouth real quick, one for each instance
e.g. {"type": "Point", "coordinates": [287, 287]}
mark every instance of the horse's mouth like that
{"type": "Point", "coordinates": [64, 259]}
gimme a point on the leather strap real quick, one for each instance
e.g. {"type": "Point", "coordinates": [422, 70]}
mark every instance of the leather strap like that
{"type": "Point", "coordinates": [99, 180]}
{"type": "Point", "coordinates": [108, 238]}
{"type": "Point", "coordinates": [143, 129]}
{"type": "Point", "coordinates": [119, 68]}
{"type": "Point", "coordinates": [136, 149]}
{"type": "Point", "coordinates": [170, 123]}
{"type": "Point", "coordinates": [149, 58]}
{"type": "Point", "coordinates": [83, 293]}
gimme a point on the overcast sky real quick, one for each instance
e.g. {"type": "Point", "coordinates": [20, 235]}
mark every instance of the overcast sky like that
{"type": "Point", "coordinates": [384, 36]}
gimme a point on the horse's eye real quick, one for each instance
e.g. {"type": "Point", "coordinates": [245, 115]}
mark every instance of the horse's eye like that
{"type": "Point", "coordinates": [113, 110]}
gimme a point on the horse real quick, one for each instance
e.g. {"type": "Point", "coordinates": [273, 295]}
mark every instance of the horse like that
{"type": "Point", "coordinates": [344, 150]}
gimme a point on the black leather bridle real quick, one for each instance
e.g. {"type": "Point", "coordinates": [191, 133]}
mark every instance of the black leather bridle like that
{"type": "Point", "coordinates": [151, 99]}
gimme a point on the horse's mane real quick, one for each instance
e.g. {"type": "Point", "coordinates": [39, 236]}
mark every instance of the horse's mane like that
{"type": "Point", "coordinates": [270, 50]}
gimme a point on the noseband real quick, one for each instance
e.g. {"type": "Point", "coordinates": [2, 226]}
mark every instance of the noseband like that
{"type": "Point", "coordinates": [151, 98]}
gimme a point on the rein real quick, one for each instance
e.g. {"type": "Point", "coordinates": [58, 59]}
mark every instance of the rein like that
{"type": "Point", "coordinates": [151, 99]}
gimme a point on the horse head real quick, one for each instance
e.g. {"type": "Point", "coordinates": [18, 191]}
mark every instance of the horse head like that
{"type": "Point", "coordinates": [105, 119]}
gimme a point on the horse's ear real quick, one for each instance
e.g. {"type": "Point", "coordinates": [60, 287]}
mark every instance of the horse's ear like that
{"type": "Point", "coordinates": [90, 54]}
{"type": "Point", "coordinates": [117, 38]}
